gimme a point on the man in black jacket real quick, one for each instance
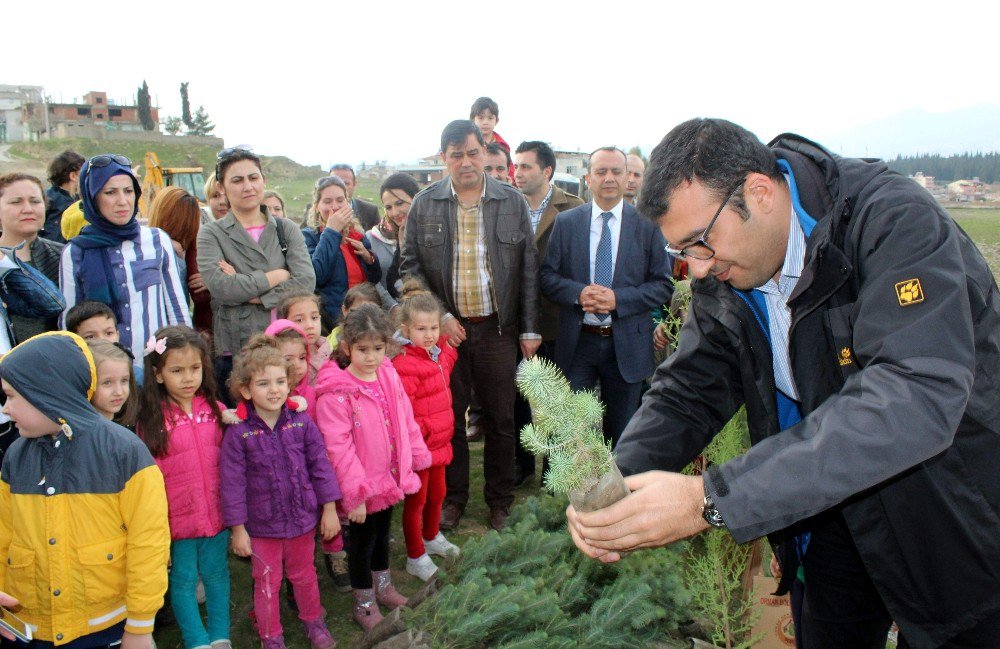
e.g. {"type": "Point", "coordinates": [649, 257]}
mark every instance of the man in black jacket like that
{"type": "Point", "coordinates": [468, 238]}
{"type": "Point", "coordinates": [860, 328]}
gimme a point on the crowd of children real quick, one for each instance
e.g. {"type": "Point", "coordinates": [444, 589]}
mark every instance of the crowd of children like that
{"type": "Point", "coordinates": [313, 440]}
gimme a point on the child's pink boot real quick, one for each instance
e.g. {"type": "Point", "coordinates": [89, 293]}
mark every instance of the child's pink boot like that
{"type": "Point", "coordinates": [385, 591]}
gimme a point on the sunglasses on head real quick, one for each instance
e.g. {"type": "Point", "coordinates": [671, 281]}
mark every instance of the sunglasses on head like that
{"type": "Point", "coordinates": [106, 159]}
{"type": "Point", "coordinates": [239, 148]}
{"type": "Point", "coordinates": [326, 181]}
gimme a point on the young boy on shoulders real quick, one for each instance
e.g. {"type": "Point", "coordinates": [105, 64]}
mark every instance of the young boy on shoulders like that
{"type": "Point", "coordinates": [486, 113]}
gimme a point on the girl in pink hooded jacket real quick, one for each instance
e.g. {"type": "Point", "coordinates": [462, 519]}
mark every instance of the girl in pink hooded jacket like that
{"type": "Point", "coordinates": [376, 449]}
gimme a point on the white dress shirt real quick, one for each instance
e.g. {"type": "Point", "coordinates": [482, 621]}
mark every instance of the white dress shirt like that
{"type": "Point", "coordinates": [596, 226]}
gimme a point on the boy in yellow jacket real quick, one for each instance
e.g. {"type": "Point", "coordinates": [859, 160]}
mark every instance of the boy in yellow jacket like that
{"type": "Point", "coordinates": [84, 538]}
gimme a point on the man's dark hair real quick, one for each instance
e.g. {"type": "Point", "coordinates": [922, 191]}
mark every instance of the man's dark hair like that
{"type": "Point", "coordinates": [343, 166]}
{"type": "Point", "coordinates": [63, 165]}
{"type": "Point", "coordinates": [716, 153]}
{"type": "Point", "coordinates": [495, 149]}
{"type": "Point", "coordinates": [84, 311]}
{"type": "Point", "coordinates": [484, 103]}
{"type": "Point", "coordinates": [457, 131]}
{"type": "Point", "coordinates": [543, 153]}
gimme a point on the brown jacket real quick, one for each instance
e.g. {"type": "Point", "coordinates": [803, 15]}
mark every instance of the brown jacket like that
{"type": "Point", "coordinates": [548, 315]}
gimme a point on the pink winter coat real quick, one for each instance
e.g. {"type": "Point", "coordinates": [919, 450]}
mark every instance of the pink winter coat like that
{"type": "Point", "coordinates": [376, 462]}
{"type": "Point", "coordinates": [191, 470]}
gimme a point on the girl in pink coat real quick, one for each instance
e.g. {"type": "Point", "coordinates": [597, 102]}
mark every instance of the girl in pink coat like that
{"type": "Point", "coordinates": [376, 449]}
{"type": "Point", "coordinates": [181, 423]}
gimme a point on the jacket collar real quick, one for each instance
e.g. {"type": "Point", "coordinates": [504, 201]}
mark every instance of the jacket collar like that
{"type": "Point", "coordinates": [443, 191]}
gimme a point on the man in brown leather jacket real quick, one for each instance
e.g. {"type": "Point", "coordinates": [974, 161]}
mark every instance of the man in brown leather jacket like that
{"type": "Point", "coordinates": [469, 239]}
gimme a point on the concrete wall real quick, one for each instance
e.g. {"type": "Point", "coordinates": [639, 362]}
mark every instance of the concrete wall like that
{"type": "Point", "coordinates": [90, 131]}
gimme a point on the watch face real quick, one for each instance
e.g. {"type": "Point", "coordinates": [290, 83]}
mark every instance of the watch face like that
{"type": "Point", "coordinates": [711, 514]}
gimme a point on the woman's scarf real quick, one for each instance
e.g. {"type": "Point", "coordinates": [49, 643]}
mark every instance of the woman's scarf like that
{"type": "Point", "coordinates": [101, 236]}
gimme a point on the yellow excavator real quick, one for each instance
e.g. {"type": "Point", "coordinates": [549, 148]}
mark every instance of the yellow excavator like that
{"type": "Point", "coordinates": [157, 177]}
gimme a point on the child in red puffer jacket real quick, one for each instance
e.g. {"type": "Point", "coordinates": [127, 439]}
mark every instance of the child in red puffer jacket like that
{"type": "Point", "coordinates": [424, 364]}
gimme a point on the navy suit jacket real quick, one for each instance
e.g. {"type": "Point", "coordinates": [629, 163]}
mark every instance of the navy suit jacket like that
{"type": "Point", "coordinates": [641, 282]}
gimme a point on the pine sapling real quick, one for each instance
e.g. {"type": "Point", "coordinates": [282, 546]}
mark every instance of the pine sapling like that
{"type": "Point", "coordinates": [566, 427]}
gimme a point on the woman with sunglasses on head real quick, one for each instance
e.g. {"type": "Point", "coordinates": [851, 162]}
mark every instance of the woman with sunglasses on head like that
{"type": "Point", "coordinates": [397, 194]}
{"type": "Point", "coordinates": [249, 260]}
{"type": "Point", "coordinates": [118, 261]}
{"type": "Point", "coordinates": [341, 253]}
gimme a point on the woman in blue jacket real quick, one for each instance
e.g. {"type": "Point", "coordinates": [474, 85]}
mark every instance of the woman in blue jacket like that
{"type": "Point", "coordinates": [341, 254]}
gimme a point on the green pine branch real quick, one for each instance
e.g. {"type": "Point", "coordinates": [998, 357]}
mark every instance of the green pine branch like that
{"type": "Point", "coordinates": [566, 427]}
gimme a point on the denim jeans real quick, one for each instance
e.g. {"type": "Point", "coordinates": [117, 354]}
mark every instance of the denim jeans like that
{"type": "Point", "coordinates": [209, 558]}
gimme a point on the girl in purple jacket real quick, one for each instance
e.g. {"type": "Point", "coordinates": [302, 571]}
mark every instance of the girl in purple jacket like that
{"type": "Point", "coordinates": [180, 421]}
{"type": "Point", "coordinates": [279, 487]}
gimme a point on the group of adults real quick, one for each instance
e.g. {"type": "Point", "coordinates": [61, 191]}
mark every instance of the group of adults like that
{"type": "Point", "coordinates": [833, 299]}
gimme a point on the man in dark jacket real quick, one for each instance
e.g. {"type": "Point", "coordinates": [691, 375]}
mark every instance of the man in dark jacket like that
{"type": "Point", "coordinates": [860, 328]}
{"type": "Point", "coordinates": [468, 238]}
{"type": "Point", "coordinates": [64, 174]}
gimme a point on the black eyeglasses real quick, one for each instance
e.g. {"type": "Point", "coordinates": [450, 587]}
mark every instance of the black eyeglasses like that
{"type": "Point", "coordinates": [700, 249]}
{"type": "Point", "coordinates": [106, 159]}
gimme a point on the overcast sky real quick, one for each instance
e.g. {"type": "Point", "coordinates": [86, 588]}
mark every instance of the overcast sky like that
{"type": "Point", "coordinates": [333, 81]}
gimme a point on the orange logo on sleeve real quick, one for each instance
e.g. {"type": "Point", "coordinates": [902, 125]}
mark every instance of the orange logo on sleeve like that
{"type": "Point", "coordinates": [909, 292]}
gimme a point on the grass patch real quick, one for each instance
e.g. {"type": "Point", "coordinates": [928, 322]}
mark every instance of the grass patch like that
{"type": "Point", "coordinates": [983, 225]}
{"type": "Point", "coordinates": [339, 606]}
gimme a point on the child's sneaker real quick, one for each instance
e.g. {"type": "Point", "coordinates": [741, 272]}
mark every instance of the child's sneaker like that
{"type": "Point", "coordinates": [336, 567]}
{"type": "Point", "coordinates": [222, 644]}
{"type": "Point", "coordinates": [423, 567]}
{"type": "Point", "coordinates": [277, 642]}
{"type": "Point", "coordinates": [441, 547]}
{"type": "Point", "coordinates": [319, 636]}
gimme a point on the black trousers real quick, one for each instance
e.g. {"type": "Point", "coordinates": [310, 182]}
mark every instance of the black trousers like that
{"type": "Point", "coordinates": [841, 609]}
{"type": "Point", "coordinates": [595, 361]}
{"type": "Point", "coordinates": [369, 548]}
{"type": "Point", "coordinates": [487, 360]}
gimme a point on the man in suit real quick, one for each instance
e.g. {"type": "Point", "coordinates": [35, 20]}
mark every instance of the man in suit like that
{"type": "Point", "coordinates": [367, 213]}
{"type": "Point", "coordinates": [607, 270]}
{"type": "Point", "coordinates": [534, 164]}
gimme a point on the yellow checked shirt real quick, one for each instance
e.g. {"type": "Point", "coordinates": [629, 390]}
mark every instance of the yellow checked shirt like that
{"type": "Point", "coordinates": [472, 276]}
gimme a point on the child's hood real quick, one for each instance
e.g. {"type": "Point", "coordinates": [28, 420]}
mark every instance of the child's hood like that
{"type": "Point", "coordinates": [278, 326]}
{"type": "Point", "coordinates": [333, 379]}
{"type": "Point", "coordinates": [55, 372]}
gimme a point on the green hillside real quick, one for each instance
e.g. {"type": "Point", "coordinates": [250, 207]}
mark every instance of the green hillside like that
{"type": "Point", "coordinates": [291, 179]}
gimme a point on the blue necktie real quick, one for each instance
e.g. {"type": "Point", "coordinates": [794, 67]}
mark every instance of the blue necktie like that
{"type": "Point", "coordinates": [602, 262]}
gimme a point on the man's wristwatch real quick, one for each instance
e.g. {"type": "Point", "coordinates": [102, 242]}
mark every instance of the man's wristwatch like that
{"type": "Point", "coordinates": [710, 513]}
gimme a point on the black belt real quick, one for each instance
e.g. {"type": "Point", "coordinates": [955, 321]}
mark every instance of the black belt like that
{"type": "Point", "coordinates": [596, 330]}
{"type": "Point", "coordinates": [476, 319]}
